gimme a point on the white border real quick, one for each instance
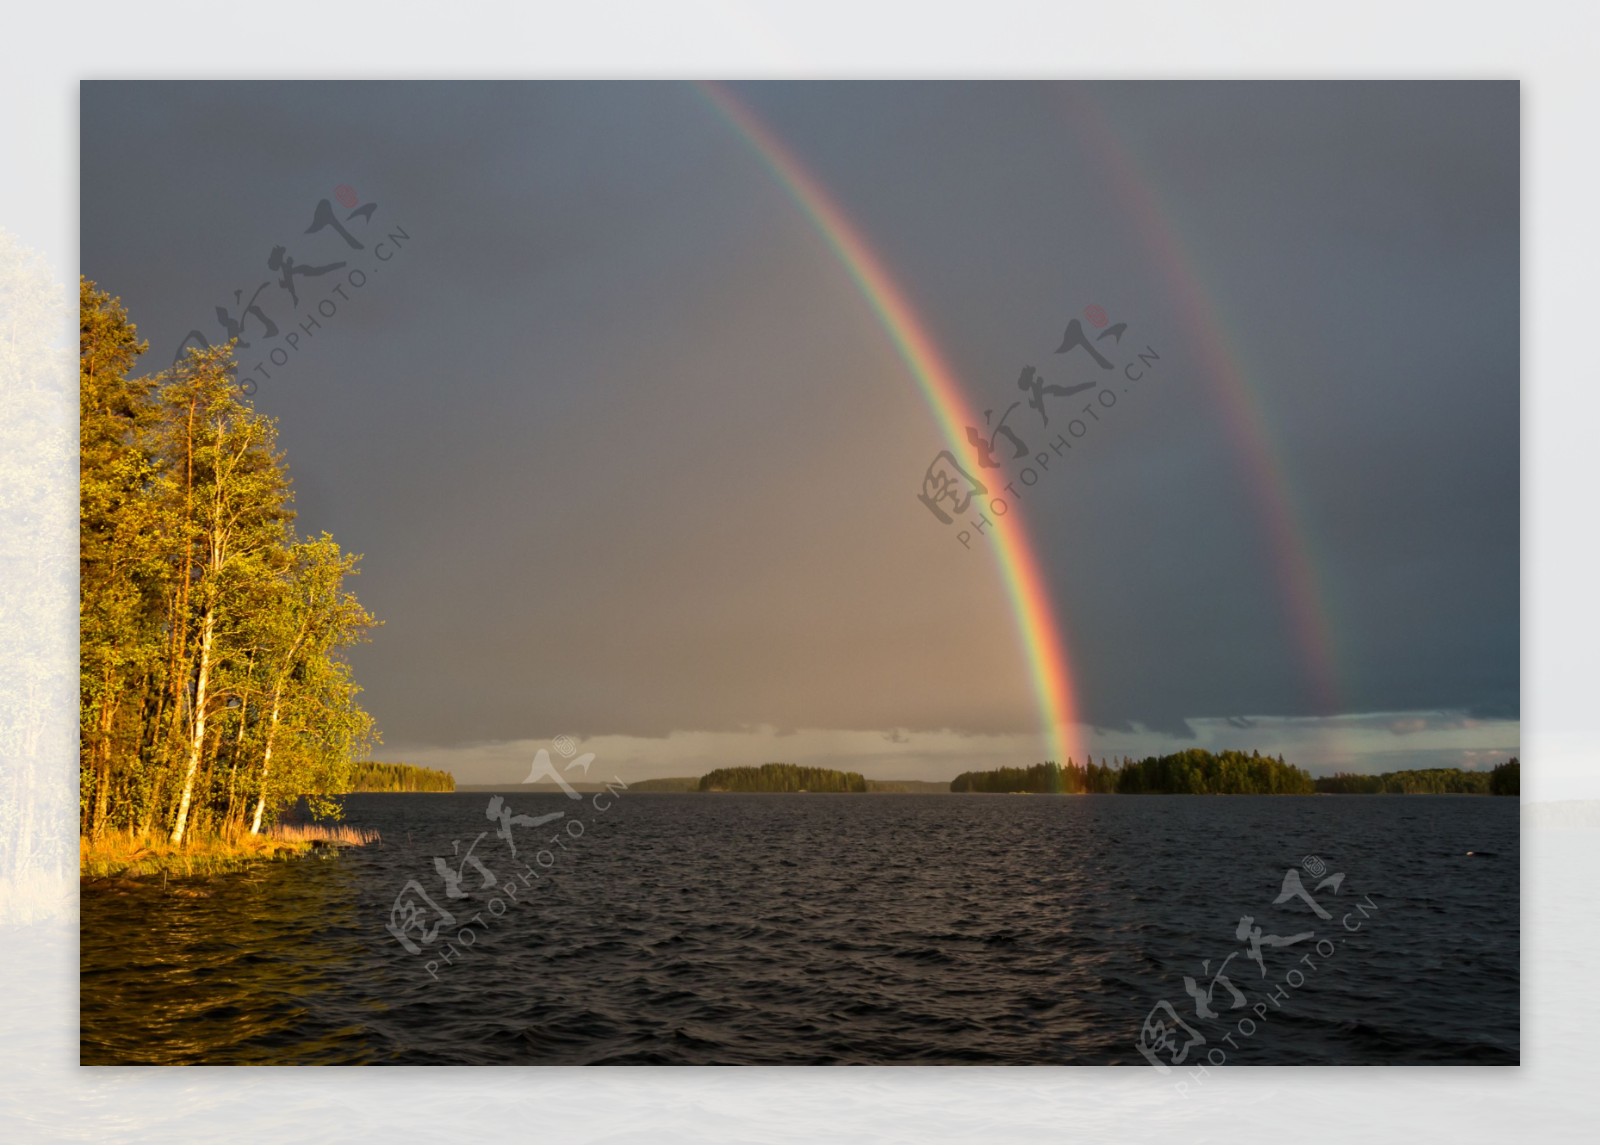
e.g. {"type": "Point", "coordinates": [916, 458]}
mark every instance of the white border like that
{"type": "Point", "coordinates": [1547, 46]}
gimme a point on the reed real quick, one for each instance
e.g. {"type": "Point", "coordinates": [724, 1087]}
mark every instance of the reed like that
{"type": "Point", "coordinates": [127, 855]}
{"type": "Point", "coordinates": [342, 834]}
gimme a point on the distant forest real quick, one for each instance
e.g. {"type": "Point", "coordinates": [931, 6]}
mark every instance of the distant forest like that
{"type": "Point", "coordinates": [782, 778]}
{"type": "Point", "coordinates": [920, 787]}
{"type": "Point", "coordinates": [371, 776]}
{"type": "Point", "coordinates": [1503, 780]}
{"type": "Point", "coordinates": [1198, 772]}
{"type": "Point", "coordinates": [692, 784]}
{"type": "Point", "coordinates": [1191, 772]}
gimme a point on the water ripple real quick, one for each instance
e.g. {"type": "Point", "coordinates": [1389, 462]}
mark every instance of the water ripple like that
{"type": "Point", "coordinates": [830, 929]}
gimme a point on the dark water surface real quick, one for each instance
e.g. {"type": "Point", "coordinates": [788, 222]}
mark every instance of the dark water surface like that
{"type": "Point", "coordinates": [834, 929]}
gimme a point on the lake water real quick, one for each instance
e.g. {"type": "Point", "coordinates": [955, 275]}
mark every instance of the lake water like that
{"type": "Point", "coordinates": [727, 929]}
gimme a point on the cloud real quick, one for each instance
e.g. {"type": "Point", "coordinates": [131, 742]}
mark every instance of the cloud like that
{"type": "Point", "coordinates": [1348, 744]}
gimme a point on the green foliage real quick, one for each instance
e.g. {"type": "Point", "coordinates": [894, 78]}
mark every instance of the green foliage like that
{"type": "Point", "coordinates": [1193, 771]}
{"type": "Point", "coordinates": [1197, 772]}
{"type": "Point", "coordinates": [1351, 784]}
{"type": "Point", "coordinates": [1506, 779]}
{"type": "Point", "coordinates": [214, 689]}
{"type": "Point", "coordinates": [371, 776]}
{"type": "Point", "coordinates": [1423, 782]}
{"type": "Point", "coordinates": [782, 778]}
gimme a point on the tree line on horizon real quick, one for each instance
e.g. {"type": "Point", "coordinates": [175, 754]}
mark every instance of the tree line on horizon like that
{"type": "Point", "coordinates": [1501, 780]}
{"type": "Point", "coordinates": [1196, 771]}
{"type": "Point", "coordinates": [213, 680]}
{"type": "Point", "coordinates": [1192, 771]}
{"type": "Point", "coordinates": [374, 776]}
{"type": "Point", "coordinates": [692, 784]}
{"type": "Point", "coordinates": [782, 778]}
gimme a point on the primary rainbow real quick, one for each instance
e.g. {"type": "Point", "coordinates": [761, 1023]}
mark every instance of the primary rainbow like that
{"type": "Point", "coordinates": [1025, 585]}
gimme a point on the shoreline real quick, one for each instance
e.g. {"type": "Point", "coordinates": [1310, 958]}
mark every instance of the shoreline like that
{"type": "Point", "coordinates": [552, 790]}
{"type": "Point", "coordinates": [125, 856]}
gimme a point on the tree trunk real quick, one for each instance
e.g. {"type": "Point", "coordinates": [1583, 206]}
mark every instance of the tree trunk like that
{"type": "Point", "coordinates": [102, 769]}
{"type": "Point", "coordinates": [266, 764]}
{"type": "Point", "coordinates": [238, 747]}
{"type": "Point", "coordinates": [178, 662]}
{"type": "Point", "coordinates": [197, 739]}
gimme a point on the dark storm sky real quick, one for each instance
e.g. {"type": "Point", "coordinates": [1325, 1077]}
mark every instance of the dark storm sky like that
{"type": "Point", "coordinates": [627, 453]}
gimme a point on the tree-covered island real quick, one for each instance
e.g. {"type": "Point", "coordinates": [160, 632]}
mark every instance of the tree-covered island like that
{"type": "Point", "coordinates": [782, 778]}
{"type": "Point", "coordinates": [1197, 772]}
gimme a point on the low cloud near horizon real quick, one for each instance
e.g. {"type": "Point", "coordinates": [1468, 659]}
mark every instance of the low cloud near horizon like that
{"type": "Point", "coordinates": [1379, 742]}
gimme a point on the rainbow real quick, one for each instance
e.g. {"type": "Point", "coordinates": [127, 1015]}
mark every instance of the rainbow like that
{"type": "Point", "coordinates": [1019, 567]}
{"type": "Point", "coordinates": [1267, 476]}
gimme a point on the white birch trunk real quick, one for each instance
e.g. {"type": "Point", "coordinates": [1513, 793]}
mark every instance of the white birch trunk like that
{"type": "Point", "coordinates": [198, 736]}
{"type": "Point", "coordinates": [266, 766]}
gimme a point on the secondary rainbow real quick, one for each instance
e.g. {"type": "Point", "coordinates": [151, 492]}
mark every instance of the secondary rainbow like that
{"type": "Point", "coordinates": [1026, 589]}
{"type": "Point", "coordinates": [1295, 569]}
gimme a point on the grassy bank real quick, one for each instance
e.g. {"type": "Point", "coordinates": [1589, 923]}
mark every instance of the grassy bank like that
{"type": "Point", "coordinates": [122, 854]}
